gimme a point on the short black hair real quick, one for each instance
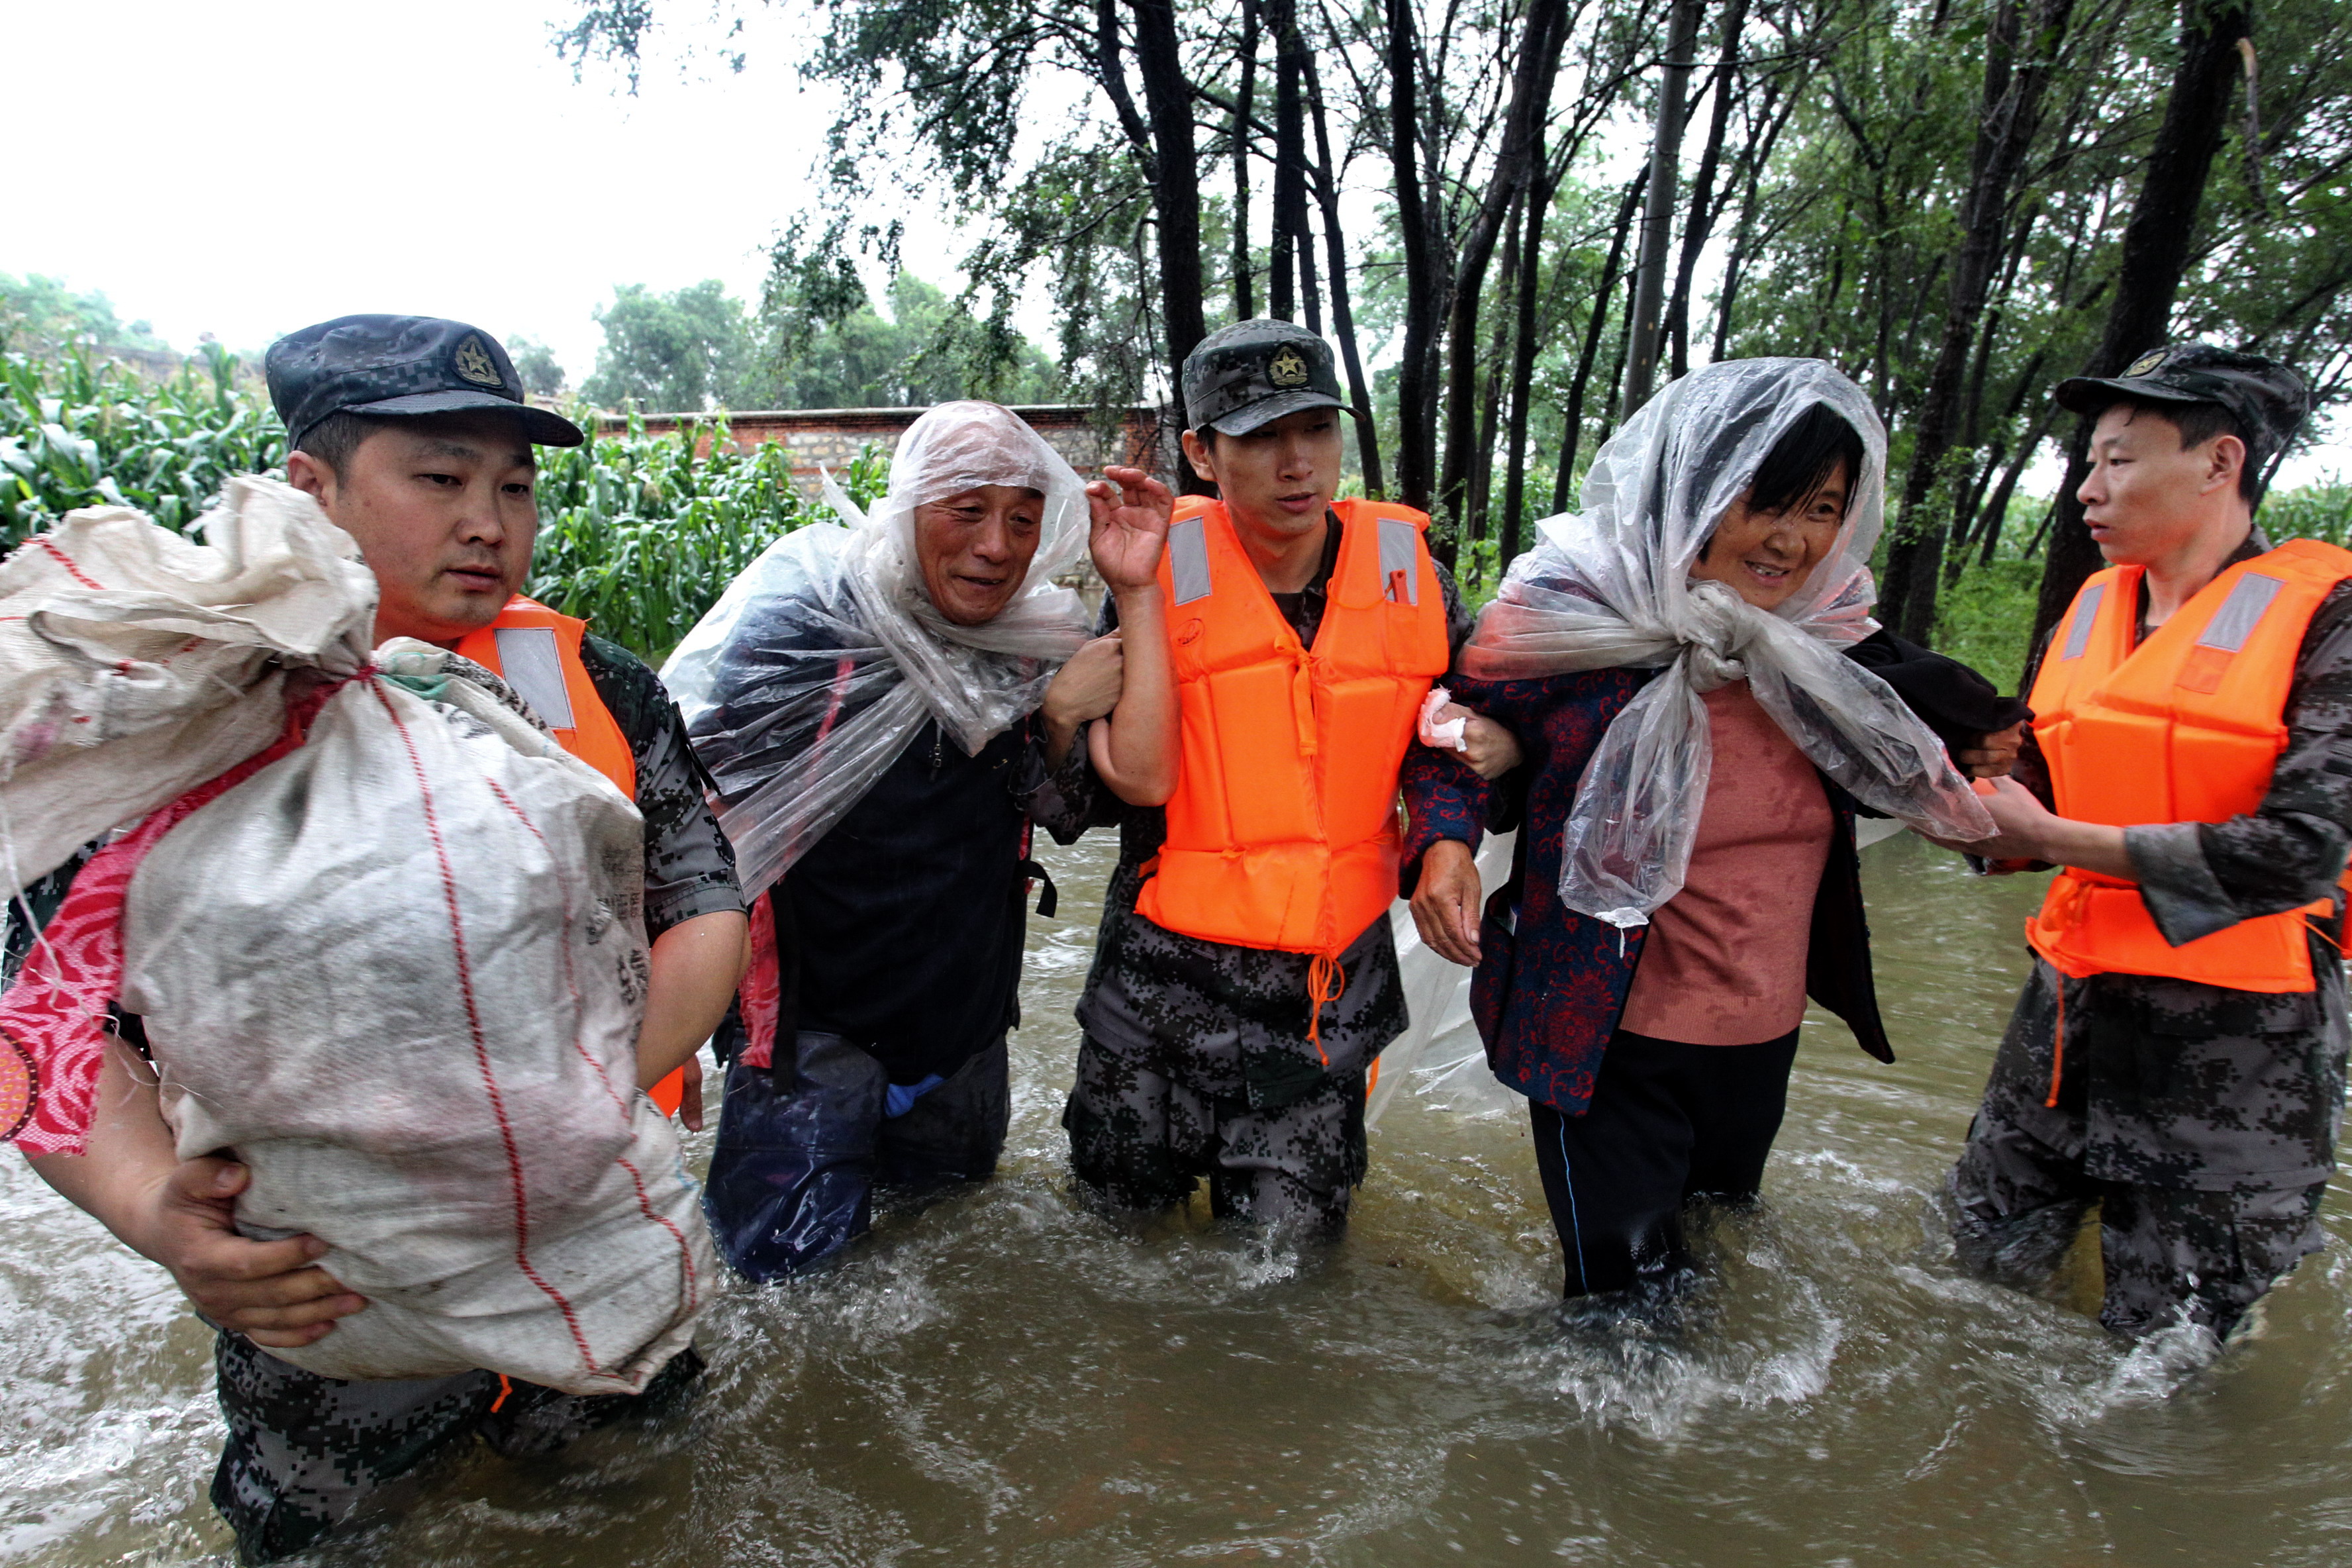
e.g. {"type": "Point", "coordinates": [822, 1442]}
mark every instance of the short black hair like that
{"type": "Point", "coordinates": [1802, 461]}
{"type": "Point", "coordinates": [2197, 422]}
{"type": "Point", "coordinates": [334, 439]}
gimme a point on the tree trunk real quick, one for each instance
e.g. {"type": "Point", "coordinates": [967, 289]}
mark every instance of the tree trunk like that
{"type": "Point", "coordinates": [1596, 322]}
{"type": "Point", "coordinates": [1244, 304]}
{"type": "Point", "coordinates": [1507, 290]}
{"type": "Point", "coordinates": [2155, 253]}
{"type": "Point", "coordinates": [1523, 365]}
{"type": "Point", "coordinates": [1761, 143]}
{"type": "Point", "coordinates": [1540, 45]}
{"type": "Point", "coordinates": [2021, 51]}
{"type": "Point", "coordinates": [1289, 160]}
{"type": "Point", "coordinates": [1343, 317]}
{"type": "Point", "coordinates": [1657, 218]}
{"type": "Point", "coordinates": [1416, 422]}
{"type": "Point", "coordinates": [1175, 192]}
{"type": "Point", "coordinates": [1703, 207]}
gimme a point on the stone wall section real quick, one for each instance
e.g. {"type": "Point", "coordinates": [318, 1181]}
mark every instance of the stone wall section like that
{"type": "Point", "coordinates": [832, 438]}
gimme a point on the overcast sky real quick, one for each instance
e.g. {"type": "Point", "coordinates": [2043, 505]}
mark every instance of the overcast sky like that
{"type": "Point", "coordinates": [248, 167]}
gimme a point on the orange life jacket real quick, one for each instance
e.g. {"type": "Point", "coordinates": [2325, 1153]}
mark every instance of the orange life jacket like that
{"type": "Point", "coordinates": [2185, 727]}
{"type": "Point", "coordinates": [537, 652]}
{"type": "Point", "coordinates": [1282, 832]}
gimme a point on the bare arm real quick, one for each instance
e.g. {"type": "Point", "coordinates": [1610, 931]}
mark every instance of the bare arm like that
{"type": "Point", "coordinates": [697, 965]}
{"type": "Point", "coordinates": [2026, 830]}
{"type": "Point", "coordinates": [1136, 751]}
{"type": "Point", "coordinates": [182, 1214]}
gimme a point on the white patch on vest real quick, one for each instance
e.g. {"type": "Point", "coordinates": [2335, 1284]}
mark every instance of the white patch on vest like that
{"type": "Point", "coordinates": [2241, 613]}
{"type": "Point", "coordinates": [1397, 554]}
{"type": "Point", "coordinates": [529, 662]}
{"type": "Point", "coordinates": [1188, 559]}
{"type": "Point", "coordinates": [2078, 630]}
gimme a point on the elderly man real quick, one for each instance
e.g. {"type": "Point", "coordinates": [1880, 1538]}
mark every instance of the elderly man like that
{"type": "Point", "coordinates": [878, 706]}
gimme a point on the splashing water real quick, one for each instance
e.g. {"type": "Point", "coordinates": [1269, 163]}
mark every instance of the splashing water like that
{"type": "Point", "coordinates": [1005, 1377]}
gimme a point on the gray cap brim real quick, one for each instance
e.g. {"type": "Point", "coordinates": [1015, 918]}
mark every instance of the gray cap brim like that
{"type": "Point", "coordinates": [1267, 409]}
{"type": "Point", "coordinates": [544, 427]}
{"type": "Point", "coordinates": [2080, 394]}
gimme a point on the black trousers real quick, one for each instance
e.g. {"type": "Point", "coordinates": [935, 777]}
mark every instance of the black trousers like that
{"type": "Point", "coordinates": [1668, 1122]}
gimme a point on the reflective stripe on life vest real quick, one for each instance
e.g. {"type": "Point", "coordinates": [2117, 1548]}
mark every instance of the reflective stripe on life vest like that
{"type": "Point", "coordinates": [1282, 832]}
{"type": "Point", "coordinates": [537, 652]}
{"type": "Point", "coordinates": [2185, 727]}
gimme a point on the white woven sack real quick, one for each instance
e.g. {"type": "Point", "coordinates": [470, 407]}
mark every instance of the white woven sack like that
{"type": "Point", "coordinates": [401, 972]}
{"type": "Point", "coordinates": [135, 664]}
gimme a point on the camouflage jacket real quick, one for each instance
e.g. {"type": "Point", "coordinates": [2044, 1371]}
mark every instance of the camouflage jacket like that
{"type": "Point", "coordinates": [2169, 1082]}
{"type": "Point", "coordinates": [1224, 1020]}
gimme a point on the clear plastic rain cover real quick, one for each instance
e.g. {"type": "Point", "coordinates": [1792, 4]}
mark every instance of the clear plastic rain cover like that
{"type": "Point", "coordinates": [822, 661]}
{"type": "Point", "coordinates": [1610, 586]}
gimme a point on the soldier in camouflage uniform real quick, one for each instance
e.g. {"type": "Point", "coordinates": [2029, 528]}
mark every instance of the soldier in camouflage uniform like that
{"type": "Point", "coordinates": [306, 1453]}
{"type": "Point", "coordinates": [2202, 1119]}
{"type": "Point", "coordinates": [1196, 1058]}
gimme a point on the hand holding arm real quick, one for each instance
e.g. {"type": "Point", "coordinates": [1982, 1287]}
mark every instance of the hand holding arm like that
{"type": "Point", "coordinates": [1489, 750]}
{"type": "Point", "coordinates": [1137, 751]}
{"type": "Point", "coordinates": [1085, 689]}
{"type": "Point", "coordinates": [182, 1215]}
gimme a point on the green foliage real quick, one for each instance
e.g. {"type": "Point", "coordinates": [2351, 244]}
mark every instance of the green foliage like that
{"type": "Point", "coordinates": [77, 430]}
{"type": "Point", "coordinates": [1986, 619]}
{"type": "Point", "coordinates": [640, 535]}
{"type": "Point", "coordinates": [2322, 512]}
{"type": "Point", "coordinates": [816, 342]}
{"type": "Point", "coordinates": [41, 313]}
{"type": "Point", "coordinates": [681, 352]}
{"type": "Point", "coordinates": [535, 362]}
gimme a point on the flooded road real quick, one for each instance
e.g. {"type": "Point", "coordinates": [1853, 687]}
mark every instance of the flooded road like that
{"type": "Point", "coordinates": [1005, 1379]}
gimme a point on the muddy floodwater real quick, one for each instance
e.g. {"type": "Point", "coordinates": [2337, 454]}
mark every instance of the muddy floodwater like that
{"type": "Point", "coordinates": [1004, 1378]}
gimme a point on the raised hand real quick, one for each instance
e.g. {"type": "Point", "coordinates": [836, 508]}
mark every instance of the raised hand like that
{"type": "Point", "coordinates": [1128, 527]}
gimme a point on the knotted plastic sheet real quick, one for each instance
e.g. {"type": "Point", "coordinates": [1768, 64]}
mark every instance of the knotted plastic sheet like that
{"type": "Point", "coordinates": [1610, 586]}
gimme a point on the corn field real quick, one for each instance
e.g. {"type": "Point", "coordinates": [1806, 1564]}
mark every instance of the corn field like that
{"type": "Point", "coordinates": [79, 431]}
{"type": "Point", "coordinates": [639, 535]}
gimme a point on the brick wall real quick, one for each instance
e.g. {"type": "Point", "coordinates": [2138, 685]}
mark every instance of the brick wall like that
{"type": "Point", "coordinates": [830, 437]}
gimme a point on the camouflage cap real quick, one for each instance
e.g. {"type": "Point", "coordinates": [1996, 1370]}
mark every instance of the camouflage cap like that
{"type": "Point", "coordinates": [389, 366]}
{"type": "Point", "coordinates": [2268, 399]}
{"type": "Point", "coordinates": [1252, 372]}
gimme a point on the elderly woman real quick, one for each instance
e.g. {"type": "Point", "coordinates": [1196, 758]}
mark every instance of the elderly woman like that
{"type": "Point", "coordinates": [876, 706]}
{"type": "Point", "coordinates": [1688, 666]}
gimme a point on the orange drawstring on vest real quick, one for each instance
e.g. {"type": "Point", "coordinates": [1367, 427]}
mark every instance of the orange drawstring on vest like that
{"type": "Point", "coordinates": [1325, 981]}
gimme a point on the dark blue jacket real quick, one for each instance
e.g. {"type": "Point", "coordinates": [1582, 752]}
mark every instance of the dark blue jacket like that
{"type": "Point", "coordinates": [1547, 999]}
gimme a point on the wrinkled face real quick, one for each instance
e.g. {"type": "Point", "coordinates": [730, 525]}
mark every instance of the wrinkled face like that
{"type": "Point", "coordinates": [1278, 477]}
{"type": "Point", "coordinates": [974, 548]}
{"type": "Point", "coordinates": [444, 513]}
{"type": "Point", "coordinates": [2147, 497]}
{"type": "Point", "coordinates": [1766, 556]}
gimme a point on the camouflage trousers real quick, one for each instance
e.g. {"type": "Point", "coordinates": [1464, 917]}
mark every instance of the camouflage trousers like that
{"type": "Point", "coordinates": [2202, 1122]}
{"type": "Point", "coordinates": [307, 1454]}
{"type": "Point", "coordinates": [1143, 1140]}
